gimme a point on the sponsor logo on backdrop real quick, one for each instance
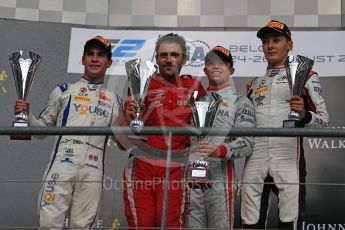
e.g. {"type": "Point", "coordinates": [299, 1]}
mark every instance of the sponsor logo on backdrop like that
{"type": "Point", "coordinates": [320, 143]}
{"type": "Point", "coordinates": [125, 49]}
{"type": "Point", "coordinates": [253, 54]}
{"type": "Point", "coordinates": [196, 52]}
{"type": "Point", "coordinates": [311, 226]}
{"type": "Point", "coordinates": [327, 143]}
{"type": "Point", "coordinates": [247, 53]}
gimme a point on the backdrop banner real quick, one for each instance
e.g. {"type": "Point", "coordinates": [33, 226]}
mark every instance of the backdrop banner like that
{"type": "Point", "coordinates": [246, 48]}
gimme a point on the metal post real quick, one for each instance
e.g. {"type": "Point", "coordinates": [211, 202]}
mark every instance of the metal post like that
{"type": "Point", "coordinates": [166, 183]}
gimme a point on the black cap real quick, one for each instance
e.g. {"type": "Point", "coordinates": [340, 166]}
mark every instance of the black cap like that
{"type": "Point", "coordinates": [219, 51]}
{"type": "Point", "coordinates": [274, 26]}
{"type": "Point", "coordinates": [99, 41]}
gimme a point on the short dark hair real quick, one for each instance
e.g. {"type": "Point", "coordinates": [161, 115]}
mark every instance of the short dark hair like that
{"type": "Point", "coordinates": [171, 38]}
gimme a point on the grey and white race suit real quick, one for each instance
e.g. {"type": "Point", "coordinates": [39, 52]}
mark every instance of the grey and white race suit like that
{"type": "Point", "coordinates": [214, 207]}
{"type": "Point", "coordinates": [278, 156]}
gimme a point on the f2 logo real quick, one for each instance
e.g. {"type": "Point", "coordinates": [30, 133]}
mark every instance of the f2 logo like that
{"type": "Point", "coordinates": [126, 47]}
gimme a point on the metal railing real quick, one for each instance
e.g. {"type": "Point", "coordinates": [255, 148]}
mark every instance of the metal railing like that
{"type": "Point", "coordinates": [187, 131]}
{"type": "Point", "coordinates": [170, 132]}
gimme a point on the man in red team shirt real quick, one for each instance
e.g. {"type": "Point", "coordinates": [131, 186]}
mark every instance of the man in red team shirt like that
{"type": "Point", "coordinates": [165, 105]}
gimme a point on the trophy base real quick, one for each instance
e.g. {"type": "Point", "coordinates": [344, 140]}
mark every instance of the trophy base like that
{"type": "Point", "coordinates": [199, 178]}
{"type": "Point", "coordinates": [292, 124]}
{"type": "Point", "coordinates": [20, 137]}
{"type": "Point", "coordinates": [137, 124]}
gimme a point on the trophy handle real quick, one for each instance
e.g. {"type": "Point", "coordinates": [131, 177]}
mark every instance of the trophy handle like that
{"type": "Point", "coordinates": [137, 122]}
{"type": "Point", "coordinates": [287, 64]}
{"type": "Point", "coordinates": [133, 74]}
{"type": "Point", "coordinates": [35, 61]}
{"type": "Point", "coordinates": [216, 99]}
{"type": "Point", "coordinates": [191, 102]}
{"type": "Point", "coordinates": [17, 73]}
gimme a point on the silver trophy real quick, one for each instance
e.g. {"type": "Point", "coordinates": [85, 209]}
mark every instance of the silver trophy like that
{"type": "Point", "coordinates": [24, 72]}
{"type": "Point", "coordinates": [298, 74]}
{"type": "Point", "coordinates": [204, 114]}
{"type": "Point", "coordinates": [139, 75]}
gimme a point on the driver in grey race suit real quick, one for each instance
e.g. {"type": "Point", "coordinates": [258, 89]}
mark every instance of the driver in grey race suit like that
{"type": "Point", "coordinates": [214, 207]}
{"type": "Point", "coordinates": [278, 156]}
{"type": "Point", "coordinates": [73, 178]}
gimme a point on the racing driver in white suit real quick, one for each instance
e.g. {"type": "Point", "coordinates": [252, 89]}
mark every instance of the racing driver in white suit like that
{"type": "Point", "coordinates": [73, 179]}
{"type": "Point", "coordinates": [278, 157]}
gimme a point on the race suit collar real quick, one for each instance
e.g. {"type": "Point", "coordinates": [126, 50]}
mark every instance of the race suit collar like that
{"type": "Point", "coordinates": [92, 85]}
{"type": "Point", "coordinates": [174, 81]}
{"type": "Point", "coordinates": [212, 88]}
{"type": "Point", "coordinates": [92, 82]}
{"type": "Point", "coordinates": [275, 71]}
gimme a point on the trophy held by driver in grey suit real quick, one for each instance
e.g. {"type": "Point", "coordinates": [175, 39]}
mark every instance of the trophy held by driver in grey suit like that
{"type": "Point", "coordinates": [297, 74]}
{"type": "Point", "coordinates": [24, 72]}
{"type": "Point", "coordinates": [204, 113]}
